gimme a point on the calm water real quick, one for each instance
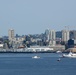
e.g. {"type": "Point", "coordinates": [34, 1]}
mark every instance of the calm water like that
{"type": "Point", "coordinates": [24, 64]}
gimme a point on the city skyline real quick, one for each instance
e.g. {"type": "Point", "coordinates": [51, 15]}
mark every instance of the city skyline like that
{"type": "Point", "coordinates": [34, 17]}
{"type": "Point", "coordinates": [37, 33]}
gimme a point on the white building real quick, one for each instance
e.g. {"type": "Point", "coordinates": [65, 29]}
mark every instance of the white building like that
{"type": "Point", "coordinates": [1, 45]}
{"type": "Point", "coordinates": [51, 36]}
{"type": "Point", "coordinates": [65, 35]}
{"type": "Point", "coordinates": [11, 34]}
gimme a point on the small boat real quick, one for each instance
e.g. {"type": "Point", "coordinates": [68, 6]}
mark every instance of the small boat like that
{"type": "Point", "coordinates": [36, 57]}
{"type": "Point", "coordinates": [70, 55]}
{"type": "Point", "coordinates": [58, 52]}
{"type": "Point", "coordinates": [58, 59]}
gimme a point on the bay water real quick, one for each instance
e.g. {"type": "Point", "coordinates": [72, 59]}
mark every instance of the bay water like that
{"type": "Point", "coordinates": [47, 64]}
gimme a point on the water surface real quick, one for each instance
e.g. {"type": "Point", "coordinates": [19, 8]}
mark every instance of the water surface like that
{"type": "Point", "coordinates": [24, 64]}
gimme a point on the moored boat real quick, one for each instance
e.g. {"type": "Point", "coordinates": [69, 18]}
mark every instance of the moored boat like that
{"type": "Point", "coordinates": [71, 55]}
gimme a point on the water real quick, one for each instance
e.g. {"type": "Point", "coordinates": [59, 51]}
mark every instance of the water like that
{"type": "Point", "coordinates": [24, 64]}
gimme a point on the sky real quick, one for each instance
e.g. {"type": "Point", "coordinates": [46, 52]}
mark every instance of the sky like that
{"type": "Point", "coordinates": [35, 16]}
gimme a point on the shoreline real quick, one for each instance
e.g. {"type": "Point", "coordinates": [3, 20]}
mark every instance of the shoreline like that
{"type": "Point", "coordinates": [33, 52]}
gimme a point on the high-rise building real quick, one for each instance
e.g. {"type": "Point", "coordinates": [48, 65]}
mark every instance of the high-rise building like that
{"type": "Point", "coordinates": [11, 34]}
{"type": "Point", "coordinates": [58, 34]}
{"type": "Point", "coordinates": [50, 36]}
{"type": "Point", "coordinates": [65, 35]}
{"type": "Point", "coordinates": [73, 34]}
{"type": "Point", "coordinates": [47, 34]}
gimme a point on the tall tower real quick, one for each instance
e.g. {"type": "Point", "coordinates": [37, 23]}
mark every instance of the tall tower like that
{"type": "Point", "coordinates": [50, 36]}
{"type": "Point", "coordinates": [65, 35]}
{"type": "Point", "coordinates": [11, 34]}
{"type": "Point", "coordinates": [47, 34]}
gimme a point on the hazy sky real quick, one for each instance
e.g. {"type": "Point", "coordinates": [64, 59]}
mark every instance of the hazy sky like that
{"type": "Point", "coordinates": [34, 16]}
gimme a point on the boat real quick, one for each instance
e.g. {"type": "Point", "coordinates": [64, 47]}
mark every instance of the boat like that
{"type": "Point", "coordinates": [36, 57]}
{"type": "Point", "coordinates": [58, 51]}
{"type": "Point", "coordinates": [58, 59]}
{"type": "Point", "coordinates": [70, 55]}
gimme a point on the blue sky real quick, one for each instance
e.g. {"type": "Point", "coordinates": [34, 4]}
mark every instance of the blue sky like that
{"type": "Point", "coordinates": [34, 16]}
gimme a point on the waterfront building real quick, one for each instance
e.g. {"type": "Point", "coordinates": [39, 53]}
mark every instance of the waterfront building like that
{"type": "Point", "coordinates": [50, 36]}
{"type": "Point", "coordinates": [11, 34]}
{"type": "Point", "coordinates": [70, 43]}
{"type": "Point", "coordinates": [65, 35]}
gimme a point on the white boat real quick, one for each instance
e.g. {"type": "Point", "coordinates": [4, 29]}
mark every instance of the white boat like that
{"type": "Point", "coordinates": [70, 55]}
{"type": "Point", "coordinates": [36, 57]}
{"type": "Point", "coordinates": [58, 52]}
